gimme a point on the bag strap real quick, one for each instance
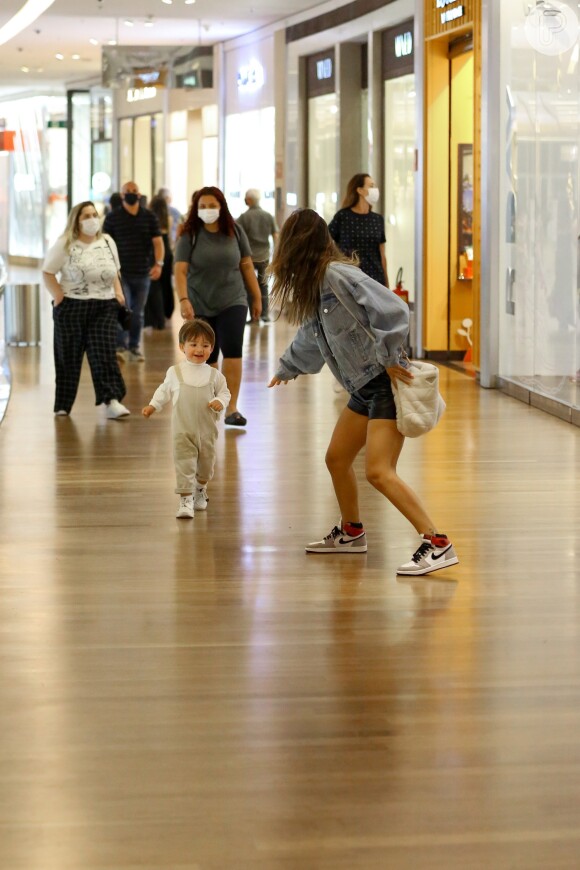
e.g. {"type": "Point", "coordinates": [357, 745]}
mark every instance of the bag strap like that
{"type": "Point", "coordinates": [118, 268]}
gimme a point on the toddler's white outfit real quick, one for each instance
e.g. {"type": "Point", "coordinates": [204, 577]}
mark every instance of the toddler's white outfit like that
{"type": "Point", "coordinates": [194, 424]}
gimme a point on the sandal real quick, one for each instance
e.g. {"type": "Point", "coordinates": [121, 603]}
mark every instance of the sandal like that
{"type": "Point", "coordinates": [235, 419]}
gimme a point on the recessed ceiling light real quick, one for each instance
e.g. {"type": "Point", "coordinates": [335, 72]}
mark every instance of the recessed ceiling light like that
{"type": "Point", "coordinates": [167, 2]}
{"type": "Point", "coordinates": [76, 56]}
{"type": "Point", "coordinates": [189, 2]}
{"type": "Point", "coordinates": [24, 69]}
{"type": "Point", "coordinates": [59, 56]}
{"type": "Point", "coordinates": [129, 23]}
{"type": "Point", "coordinates": [94, 41]}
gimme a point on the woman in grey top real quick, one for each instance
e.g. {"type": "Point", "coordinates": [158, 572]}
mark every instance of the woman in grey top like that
{"type": "Point", "coordinates": [213, 268]}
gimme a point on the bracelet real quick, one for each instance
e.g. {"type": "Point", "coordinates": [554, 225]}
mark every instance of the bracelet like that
{"type": "Point", "coordinates": [185, 299]}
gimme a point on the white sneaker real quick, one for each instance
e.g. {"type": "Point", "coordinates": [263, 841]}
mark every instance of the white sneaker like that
{"type": "Point", "coordinates": [115, 409]}
{"type": "Point", "coordinates": [337, 541]}
{"type": "Point", "coordinates": [61, 413]}
{"type": "Point", "coordinates": [185, 509]}
{"type": "Point", "coordinates": [434, 552]}
{"type": "Point", "coordinates": [134, 355]}
{"type": "Point", "coordinates": [200, 499]}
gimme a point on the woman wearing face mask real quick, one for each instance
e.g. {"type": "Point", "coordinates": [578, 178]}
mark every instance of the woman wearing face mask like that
{"type": "Point", "coordinates": [358, 230]}
{"type": "Point", "coordinates": [213, 268]}
{"type": "Point", "coordinates": [86, 299]}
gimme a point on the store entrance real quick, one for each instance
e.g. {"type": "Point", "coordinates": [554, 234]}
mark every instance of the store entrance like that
{"type": "Point", "coordinates": [460, 317]}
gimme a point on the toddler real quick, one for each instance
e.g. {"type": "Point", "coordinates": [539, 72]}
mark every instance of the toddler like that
{"type": "Point", "coordinates": [199, 393]}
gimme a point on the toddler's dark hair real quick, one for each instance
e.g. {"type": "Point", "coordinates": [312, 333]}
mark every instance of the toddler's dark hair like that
{"type": "Point", "coordinates": [195, 329]}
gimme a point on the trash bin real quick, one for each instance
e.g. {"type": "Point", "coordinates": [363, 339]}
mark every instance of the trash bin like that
{"type": "Point", "coordinates": [22, 314]}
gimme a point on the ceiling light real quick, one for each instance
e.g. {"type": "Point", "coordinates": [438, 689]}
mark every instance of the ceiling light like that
{"type": "Point", "coordinates": [167, 2]}
{"type": "Point", "coordinates": [112, 42]}
{"type": "Point", "coordinates": [76, 56]}
{"type": "Point", "coordinates": [24, 69]}
{"type": "Point", "coordinates": [94, 41]}
{"type": "Point", "coordinates": [189, 2]}
{"type": "Point", "coordinates": [59, 56]}
{"type": "Point", "coordinates": [29, 12]}
{"type": "Point", "coordinates": [129, 23]}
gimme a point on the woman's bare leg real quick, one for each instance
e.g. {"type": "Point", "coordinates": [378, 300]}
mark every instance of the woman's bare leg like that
{"type": "Point", "coordinates": [348, 439]}
{"type": "Point", "coordinates": [384, 444]}
{"type": "Point", "coordinates": [232, 372]}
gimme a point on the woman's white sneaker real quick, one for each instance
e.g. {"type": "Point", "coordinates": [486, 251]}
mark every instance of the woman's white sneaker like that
{"type": "Point", "coordinates": [337, 541]}
{"type": "Point", "coordinates": [185, 509]}
{"type": "Point", "coordinates": [434, 552]}
{"type": "Point", "coordinates": [114, 409]}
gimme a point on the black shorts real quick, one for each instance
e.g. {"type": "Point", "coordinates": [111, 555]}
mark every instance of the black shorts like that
{"type": "Point", "coordinates": [375, 399]}
{"type": "Point", "coordinates": [229, 327]}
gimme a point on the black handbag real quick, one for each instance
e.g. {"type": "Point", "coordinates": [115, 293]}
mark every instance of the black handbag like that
{"type": "Point", "coordinates": [124, 317]}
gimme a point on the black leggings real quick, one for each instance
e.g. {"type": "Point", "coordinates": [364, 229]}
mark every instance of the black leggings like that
{"type": "Point", "coordinates": [229, 327]}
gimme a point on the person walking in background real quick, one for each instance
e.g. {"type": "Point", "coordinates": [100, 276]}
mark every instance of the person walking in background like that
{"type": "Point", "coordinates": [348, 322]}
{"type": "Point", "coordinates": [115, 201]}
{"type": "Point", "coordinates": [175, 216]}
{"type": "Point", "coordinates": [138, 238]}
{"type": "Point", "coordinates": [213, 270]}
{"type": "Point", "coordinates": [86, 301]}
{"type": "Point", "coordinates": [260, 227]}
{"type": "Point", "coordinates": [160, 301]}
{"type": "Point", "coordinates": [199, 395]}
{"type": "Point", "coordinates": [358, 230]}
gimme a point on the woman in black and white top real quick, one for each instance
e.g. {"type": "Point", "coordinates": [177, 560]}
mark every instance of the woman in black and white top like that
{"type": "Point", "coordinates": [359, 231]}
{"type": "Point", "coordinates": [86, 302]}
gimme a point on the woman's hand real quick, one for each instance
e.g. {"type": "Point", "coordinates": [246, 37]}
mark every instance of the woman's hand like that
{"type": "Point", "coordinates": [215, 405]}
{"type": "Point", "coordinates": [120, 299]}
{"type": "Point", "coordinates": [275, 382]}
{"type": "Point", "coordinates": [256, 308]}
{"type": "Point", "coordinates": [399, 373]}
{"type": "Point", "coordinates": [148, 410]}
{"type": "Point", "coordinates": [58, 298]}
{"type": "Point", "coordinates": [186, 309]}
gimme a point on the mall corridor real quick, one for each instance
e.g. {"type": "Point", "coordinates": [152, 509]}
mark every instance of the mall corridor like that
{"type": "Point", "coordinates": [203, 695]}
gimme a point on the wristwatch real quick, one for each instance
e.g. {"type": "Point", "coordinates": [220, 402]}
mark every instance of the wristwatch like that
{"type": "Point", "coordinates": [159, 262]}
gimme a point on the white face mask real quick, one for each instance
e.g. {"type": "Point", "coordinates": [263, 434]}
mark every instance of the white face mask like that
{"type": "Point", "coordinates": [209, 215]}
{"type": "Point", "coordinates": [372, 196]}
{"type": "Point", "coordinates": [90, 226]}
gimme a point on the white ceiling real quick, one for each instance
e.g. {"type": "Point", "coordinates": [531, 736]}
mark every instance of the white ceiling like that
{"type": "Point", "coordinates": [68, 25]}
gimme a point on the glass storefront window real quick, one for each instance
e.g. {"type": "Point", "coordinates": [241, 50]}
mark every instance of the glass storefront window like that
{"type": "Point", "coordinates": [158, 152]}
{"type": "Point", "coordinates": [80, 154]}
{"type": "Point", "coordinates": [399, 193]}
{"type": "Point", "coordinates": [249, 166]}
{"type": "Point", "coordinates": [323, 141]}
{"type": "Point", "coordinates": [142, 155]}
{"type": "Point", "coordinates": [125, 150]}
{"type": "Point", "coordinates": [538, 278]}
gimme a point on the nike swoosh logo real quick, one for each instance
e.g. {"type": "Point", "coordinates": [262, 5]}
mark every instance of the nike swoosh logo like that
{"type": "Point", "coordinates": [342, 541]}
{"type": "Point", "coordinates": [434, 557]}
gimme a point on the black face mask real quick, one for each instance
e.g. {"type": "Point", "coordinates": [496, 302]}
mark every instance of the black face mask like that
{"type": "Point", "coordinates": [131, 198]}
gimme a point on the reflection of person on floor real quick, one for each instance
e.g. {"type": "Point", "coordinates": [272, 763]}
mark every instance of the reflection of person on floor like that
{"type": "Point", "coordinates": [348, 322]}
{"type": "Point", "coordinates": [199, 393]}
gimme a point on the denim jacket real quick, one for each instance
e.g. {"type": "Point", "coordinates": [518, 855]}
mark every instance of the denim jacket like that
{"type": "Point", "coordinates": [359, 330]}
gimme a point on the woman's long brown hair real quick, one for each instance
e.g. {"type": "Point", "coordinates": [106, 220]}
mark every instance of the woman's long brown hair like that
{"type": "Point", "coordinates": [193, 223]}
{"type": "Point", "coordinates": [303, 253]}
{"type": "Point", "coordinates": [351, 196]}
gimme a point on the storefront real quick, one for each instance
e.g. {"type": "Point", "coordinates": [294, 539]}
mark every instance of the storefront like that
{"type": "Point", "coordinates": [90, 145]}
{"type": "Point", "coordinates": [167, 138]}
{"type": "Point", "coordinates": [531, 230]}
{"type": "Point", "coordinates": [250, 123]}
{"type": "Point", "coordinates": [451, 197]}
{"type": "Point", "coordinates": [351, 107]}
{"type": "Point", "coordinates": [33, 175]}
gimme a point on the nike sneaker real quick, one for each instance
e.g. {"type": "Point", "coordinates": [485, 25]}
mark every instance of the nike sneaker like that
{"type": "Point", "coordinates": [337, 541]}
{"type": "Point", "coordinates": [434, 552]}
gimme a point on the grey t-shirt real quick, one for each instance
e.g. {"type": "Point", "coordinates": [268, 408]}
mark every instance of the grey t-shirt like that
{"type": "Point", "coordinates": [259, 226]}
{"type": "Point", "coordinates": [214, 280]}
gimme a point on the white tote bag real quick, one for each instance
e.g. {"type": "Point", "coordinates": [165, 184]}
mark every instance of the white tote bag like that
{"type": "Point", "coordinates": [419, 404]}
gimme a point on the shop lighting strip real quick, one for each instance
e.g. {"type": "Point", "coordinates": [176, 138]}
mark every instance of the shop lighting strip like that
{"type": "Point", "coordinates": [26, 16]}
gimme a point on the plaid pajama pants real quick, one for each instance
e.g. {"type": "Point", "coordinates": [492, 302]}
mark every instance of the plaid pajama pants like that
{"type": "Point", "coordinates": [86, 326]}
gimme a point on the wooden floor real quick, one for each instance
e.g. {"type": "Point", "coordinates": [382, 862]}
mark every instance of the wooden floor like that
{"type": "Point", "coordinates": [203, 695]}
